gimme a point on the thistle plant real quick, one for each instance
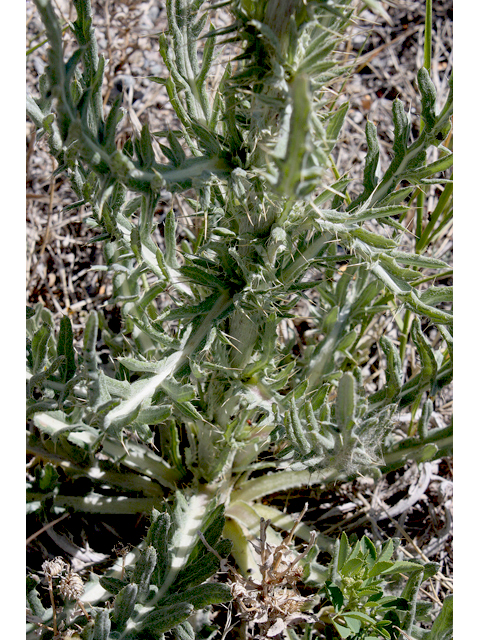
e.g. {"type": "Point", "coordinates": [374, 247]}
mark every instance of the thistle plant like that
{"type": "Point", "coordinates": [233, 413]}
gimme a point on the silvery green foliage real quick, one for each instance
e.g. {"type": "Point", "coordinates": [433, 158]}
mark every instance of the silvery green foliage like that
{"type": "Point", "coordinates": [269, 140]}
{"type": "Point", "coordinates": [344, 434]}
{"type": "Point", "coordinates": [162, 587]}
{"type": "Point", "coordinates": [209, 374]}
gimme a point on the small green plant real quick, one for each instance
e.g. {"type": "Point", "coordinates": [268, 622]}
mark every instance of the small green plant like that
{"type": "Point", "coordinates": [361, 585]}
{"type": "Point", "coordinates": [235, 415]}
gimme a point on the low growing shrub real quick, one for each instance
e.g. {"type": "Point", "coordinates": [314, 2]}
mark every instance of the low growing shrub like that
{"type": "Point", "coordinates": [235, 413]}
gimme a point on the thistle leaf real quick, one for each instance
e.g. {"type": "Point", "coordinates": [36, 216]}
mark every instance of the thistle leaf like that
{"type": "Point", "coordinates": [124, 605]}
{"type": "Point", "coordinates": [345, 406]}
{"type": "Point", "coordinates": [65, 348]}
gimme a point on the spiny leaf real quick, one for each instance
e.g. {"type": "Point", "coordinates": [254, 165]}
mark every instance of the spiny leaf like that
{"type": "Point", "coordinates": [203, 595]}
{"type": "Point", "coordinates": [65, 348]}
{"type": "Point", "coordinates": [345, 407]}
{"type": "Point", "coordinates": [166, 617]}
{"type": "Point", "coordinates": [101, 630]}
{"type": "Point", "coordinates": [144, 569]}
{"type": "Point", "coordinates": [429, 96]}
{"type": "Point", "coordinates": [429, 363]}
{"type": "Point", "coordinates": [39, 347]}
{"type": "Point", "coordinates": [393, 373]}
{"type": "Point", "coordinates": [370, 177]}
{"type": "Point", "coordinates": [124, 605]}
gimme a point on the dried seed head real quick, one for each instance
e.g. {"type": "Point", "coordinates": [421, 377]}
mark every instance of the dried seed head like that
{"type": "Point", "coordinates": [71, 586]}
{"type": "Point", "coordinates": [54, 568]}
{"type": "Point", "coordinates": [274, 602]}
